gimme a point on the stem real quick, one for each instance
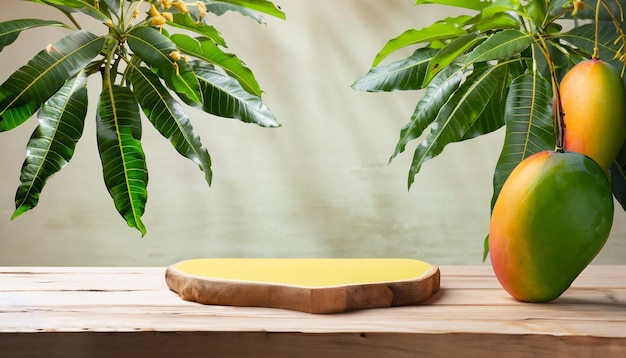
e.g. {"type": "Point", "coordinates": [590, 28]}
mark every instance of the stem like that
{"type": "Point", "coordinates": [72, 19]}
{"type": "Point", "coordinates": [123, 15]}
{"type": "Point", "coordinates": [558, 123]}
{"type": "Point", "coordinates": [133, 64]}
{"type": "Point", "coordinates": [618, 27]}
{"type": "Point", "coordinates": [596, 47]}
{"type": "Point", "coordinates": [110, 65]}
{"type": "Point", "coordinates": [131, 18]}
{"type": "Point", "coordinates": [558, 118]}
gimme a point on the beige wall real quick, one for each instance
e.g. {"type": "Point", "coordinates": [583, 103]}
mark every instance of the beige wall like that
{"type": "Point", "coordinates": [318, 186]}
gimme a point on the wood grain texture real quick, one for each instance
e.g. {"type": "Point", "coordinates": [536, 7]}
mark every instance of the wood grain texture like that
{"type": "Point", "coordinates": [324, 299]}
{"type": "Point", "coordinates": [130, 312]}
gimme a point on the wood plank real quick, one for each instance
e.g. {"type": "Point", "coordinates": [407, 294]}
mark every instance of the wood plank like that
{"type": "Point", "coordinates": [302, 345]}
{"type": "Point", "coordinates": [131, 311]}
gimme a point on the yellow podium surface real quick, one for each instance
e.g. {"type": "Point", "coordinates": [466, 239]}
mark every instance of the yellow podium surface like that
{"type": "Point", "coordinates": [308, 285]}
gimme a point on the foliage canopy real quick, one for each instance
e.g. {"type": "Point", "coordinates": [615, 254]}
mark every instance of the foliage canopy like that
{"type": "Point", "coordinates": [498, 66]}
{"type": "Point", "coordinates": [144, 68]}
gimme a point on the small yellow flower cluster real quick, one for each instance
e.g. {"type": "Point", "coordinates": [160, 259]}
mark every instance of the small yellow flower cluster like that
{"type": "Point", "coordinates": [175, 56]}
{"type": "Point", "coordinates": [201, 8]}
{"type": "Point", "coordinates": [578, 5]}
{"type": "Point", "coordinates": [159, 19]}
{"type": "Point", "coordinates": [166, 4]}
{"type": "Point", "coordinates": [178, 4]}
{"type": "Point", "coordinates": [181, 6]}
{"type": "Point", "coordinates": [619, 55]}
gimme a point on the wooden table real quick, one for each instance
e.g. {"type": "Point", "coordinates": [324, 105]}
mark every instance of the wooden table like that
{"type": "Point", "coordinates": [129, 312]}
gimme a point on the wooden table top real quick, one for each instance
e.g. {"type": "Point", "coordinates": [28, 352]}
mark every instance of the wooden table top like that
{"type": "Point", "coordinates": [471, 314]}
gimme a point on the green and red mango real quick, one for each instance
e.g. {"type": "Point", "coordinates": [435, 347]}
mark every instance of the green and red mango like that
{"type": "Point", "coordinates": [552, 217]}
{"type": "Point", "coordinates": [593, 104]}
{"type": "Point", "coordinates": [555, 210]}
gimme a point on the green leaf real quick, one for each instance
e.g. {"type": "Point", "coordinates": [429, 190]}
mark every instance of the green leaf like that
{"type": "Point", "coordinates": [485, 247]}
{"type": "Point", "coordinates": [458, 115]}
{"type": "Point", "coordinates": [464, 4]}
{"type": "Point", "coordinates": [535, 10]}
{"type": "Point", "coordinates": [52, 144]}
{"type": "Point", "coordinates": [529, 125]}
{"type": "Point", "coordinates": [437, 93]}
{"type": "Point", "coordinates": [123, 162]}
{"type": "Point", "coordinates": [498, 21]}
{"type": "Point", "coordinates": [224, 96]}
{"type": "Point", "coordinates": [30, 86]}
{"type": "Point", "coordinates": [154, 49]}
{"type": "Point", "coordinates": [502, 44]}
{"type": "Point", "coordinates": [583, 38]}
{"type": "Point", "coordinates": [406, 74]}
{"type": "Point", "coordinates": [558, 7]}
{"type": "Point", "coordinates": [441, 30]}
{"type": "Point", "coordinates": [589, 11]}
{"type": "Point", "coordinates": [501, 6]}
{"type": "Point", "coordinates": [492, 118]}
{"type": "Point", "coordinates": [263, 6]}
{"type": "Point", "coordinates": [75, 5]}
{"type": "Point", "coordinates": [9, 30]}
{"type": "Point", "coordinates": [561, 63]}
{"type": "Point", "coordinates": [618, 177]}
{"type": "Point", "coordinates": [206, 50]}
{"type": "Point", "coordinates": [111, 8]}
{"type": "Point", "coordinates": [114, 5]}
{"type": "Point", "coordinates": [169, 118]}
{"type": "Point", "coordinates": [186, 22]}
{"type": "Point", "coordinates": [220, 8]}
{"type": "Point", "coordinates": [448, 54]}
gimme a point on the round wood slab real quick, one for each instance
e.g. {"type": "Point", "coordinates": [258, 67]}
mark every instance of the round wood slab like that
{"type": "Point", "coordinates": [308, 285]}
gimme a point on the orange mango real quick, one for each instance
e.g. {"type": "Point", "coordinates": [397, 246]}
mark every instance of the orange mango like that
{"type": "Point", "coordinates": [552, 217]}
{"type": "Point", "coordinates": [593, 100]}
